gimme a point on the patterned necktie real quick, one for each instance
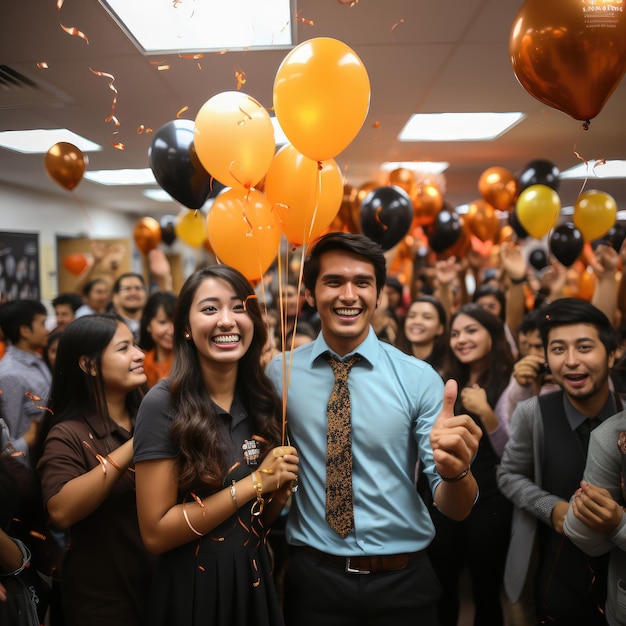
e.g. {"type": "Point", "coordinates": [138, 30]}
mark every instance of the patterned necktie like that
{"type": "Point", "coordinates": [339, 508]}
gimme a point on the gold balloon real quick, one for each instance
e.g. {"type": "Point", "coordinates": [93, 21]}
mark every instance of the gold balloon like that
{"type": "Point", "coordinates": [191, 227]}
{"type": "Point", "coordinates": [65, 164]}
{"type": "Point", "coordinates": [537, 210]}
{"type": "Point", "coordinates": [403, 178]}
{"type": "Point", "coordinates": [570, 54]}
{"type": "Point", "coordinates": [595, 213]}
{"type": "Point", "coordinates": [498, 187]}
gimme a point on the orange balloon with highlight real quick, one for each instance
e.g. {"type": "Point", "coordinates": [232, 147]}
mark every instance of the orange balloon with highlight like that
{"type": "Point", "coordinates": [499, 187]}
{"type": "Point", "coordinates": [321, 97]}
{"type": "Point", "coordinates": [243, 231]}
{"type": "Point", "coordinates": [403, 178]}
{"type": "Point", "coordinates": [234, 139]}
{"type": "Point", "coordinates": [427, 202]}
{"type": "Point", "coordinates": [147, 234]}
{"type": "Point", "coordinates": [483, 221]}
{"type": "Point", "coordinates": [570, 54]}
{"type": "Point", "coordinates": [75, 263]}
{"type": "Point", "coordinates": [304, 197]}
{"type": "Point", "coordinates": [65, 164]}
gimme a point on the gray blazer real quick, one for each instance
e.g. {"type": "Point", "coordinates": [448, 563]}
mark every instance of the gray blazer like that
{"type": "Point", "coordinates": [519, 479]}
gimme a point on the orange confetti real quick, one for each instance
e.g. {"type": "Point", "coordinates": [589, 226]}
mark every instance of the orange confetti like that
{"type": "Point", "coordinates": [35, 399]}
{"type": "Point", "coordinates": [400, 21]}
{"type": "Point", "coordinates": [164, 68]}
{"type": "Point", "coordinates": [42, 65]}
{"type": "Point", "coordinates": [304, 20]}
{"type": "Point", "coordinates": [376, 124]}
{"type": "Point", "coordinates": [195, 57]}
{"type": "Point", "coordinates": [112, 87]}
{"type": "Point", "coordinates": [240, 75]}
{"type": "Point", "coordinates": [144, 129]}
{"type": "Point", "coordinates": [157, 62]}
{"type": "Point", "coordinates": [181, 111]}
{"type": "Point", "coordinates": [70, 30]}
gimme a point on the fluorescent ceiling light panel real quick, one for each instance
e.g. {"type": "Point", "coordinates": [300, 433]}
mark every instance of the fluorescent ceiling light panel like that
{"type": "Point", "coordinates": [187, 26]}
{"type": "Point", "coordinates": [596, 169]}
{"type": "Point", "coordinates": [159, 195]}
{"type": "Point", "coordinates": [427, 167]}
{"type": "Point", "coordinates": [122, 177]}
{"type": "Point", "coordinates": [458, 126]}
{"type": "Point", "coordinates": [39, 141]}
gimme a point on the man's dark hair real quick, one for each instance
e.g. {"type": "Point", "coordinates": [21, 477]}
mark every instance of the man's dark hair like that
{"type": "Point", "coordinates": [92, 283]}
{"type": "Point", "coordinates": [72, 300]}
{"type": "Point", "coordinates": [118, 283]}
{"type": "Point", "coordinates": [359, 245]}
{"type": "Point", "coordinates": [530, 321]}
{"type": "Point", "coordinates": [568, 311]}
{"type": "Point", "coordinates": [18, 313]}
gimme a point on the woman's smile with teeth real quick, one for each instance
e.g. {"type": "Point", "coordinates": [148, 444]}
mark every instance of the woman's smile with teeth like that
{"type": "Point", "coordinates": [226, 338]}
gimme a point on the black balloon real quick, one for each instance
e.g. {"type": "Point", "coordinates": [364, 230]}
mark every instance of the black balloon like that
{"type": "Point", "coordinates": [614, 237]}
{"type": "Point", "coordinates": [177, 168]}
{"type": "Point", "coordinates": [540, 172]}
{"type": "Point", "coordinates": [445, 231]}
{"type": "Point", "coordinates": [566, 243]}
{"type": "Point", "coordinates": [386, 215]}
{"type": "Point", "coordinates": [168, 229]}
{"type": "Point", "coordinates": [538, 258]}
{"type": "Point", "coordinates": [514, 222]}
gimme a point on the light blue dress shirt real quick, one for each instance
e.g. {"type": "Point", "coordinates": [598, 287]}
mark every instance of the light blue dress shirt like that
{"type": "Point", "coordinates": [395, 399]}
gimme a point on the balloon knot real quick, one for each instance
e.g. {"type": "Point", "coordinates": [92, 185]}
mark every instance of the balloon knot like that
{"type": "Point", "coordinates": [586, 125]}
{"type": "Point", "coordinates": [319, 166]}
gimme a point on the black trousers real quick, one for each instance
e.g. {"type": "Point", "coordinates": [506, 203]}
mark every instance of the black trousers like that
{"type": "Point", "coordinates": [320, 593]}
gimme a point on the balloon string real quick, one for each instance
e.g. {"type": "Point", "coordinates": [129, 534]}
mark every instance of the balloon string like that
{"type": "Point", "coordinates": [584, 127]}
{"type": "Point", "coordinates": [70, 30]}
{"type": "Point", "coordinates": [84, 210]}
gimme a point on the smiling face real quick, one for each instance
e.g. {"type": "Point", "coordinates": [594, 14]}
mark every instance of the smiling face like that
{"type": "Point", "coordinates": [579, 362]}
{"type": "Point", "coordinates": [161, 329]}
{"type": "Point", "coordinates": [219, 325]}
{"type": "Point", "coordinates": [122, 363]}
{"type": "Point", "coordinates": [422, 324]}
{"type": "Point", "coordinates": [470, 341]}
{"type": "Point", "coordinates": [346, 299]}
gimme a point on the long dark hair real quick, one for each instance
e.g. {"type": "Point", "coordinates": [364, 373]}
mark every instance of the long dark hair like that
{"type": "Point", "coordinates": [438, 356]}
{"type": "Point", "coordinates": [74, 391]}
{"type": "Point", "coordinates": [165, 299]}
{"type": "Point", "coordinates": [197, 431]}
{"type": "Point", "coordinates": [495, 377]}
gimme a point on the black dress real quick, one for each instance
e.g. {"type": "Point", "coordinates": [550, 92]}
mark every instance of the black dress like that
{"type": "Point", "coordinates": [223, 578]}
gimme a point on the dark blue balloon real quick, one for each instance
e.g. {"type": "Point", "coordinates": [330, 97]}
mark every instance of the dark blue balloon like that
{"type": "Point", "coordinates": [386, 215]}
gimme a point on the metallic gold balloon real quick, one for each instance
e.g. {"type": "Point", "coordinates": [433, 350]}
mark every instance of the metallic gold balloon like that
{"type": "Point", "coordinates": [65, 164]}
{"type": "Point", "coordinates": [498, 187]}
{"type": "Point", "coordinates": [427, 202]}
{"type": "Point", "coordinates": [403, 178]}
{"type": "Point", "coordinates": [482, 221]}
{"type": "Point", "coordinates": [147, 234]}
{"type": "Point", "coordinates": [570, 54]}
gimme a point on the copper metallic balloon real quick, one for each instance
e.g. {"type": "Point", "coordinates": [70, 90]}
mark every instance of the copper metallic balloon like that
{"type": "Point", "coordinates": [403, 178]}
{"type": "Point", "coordinates": [147, 234]}
{"type": "Point", "coordinates": [427, 202]}
{"type": "Point", "coordinates": [498, 187]}
{"type": "Point", "coordinates": [482, 220]}
{"type": "Point", "coordinates": [65, 164]}
{"type": "Point", "coordinates": [570, 54]}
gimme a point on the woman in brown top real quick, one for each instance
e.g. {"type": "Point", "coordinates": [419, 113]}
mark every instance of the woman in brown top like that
{"type": "Point", "coordinates": [87, 476]}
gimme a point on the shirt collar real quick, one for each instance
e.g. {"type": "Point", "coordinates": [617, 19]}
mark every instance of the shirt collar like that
{"type": "Point", "coordinates": [575, 418]}
{"type": "Point", "coordinates": [368, 349]}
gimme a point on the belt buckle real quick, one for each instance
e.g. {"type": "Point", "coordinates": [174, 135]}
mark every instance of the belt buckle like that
{"type": "Point", "coordinates": [352, 570]}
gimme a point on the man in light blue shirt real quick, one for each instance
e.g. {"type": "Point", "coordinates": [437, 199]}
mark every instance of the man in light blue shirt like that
{"type": "Point", "coordinates": [379, 572]}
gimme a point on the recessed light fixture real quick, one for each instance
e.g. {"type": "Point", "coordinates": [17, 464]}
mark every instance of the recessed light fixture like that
{"type": "Point", "coordinates": [596, 169]}
{"type": "Point", "coordinates": [122, 177]}
{"type": "Point", "coordinates": [427, 167]}
{"type": "Point", "coordinates": [458, 126]}
{"type": "Point", "coordinates": [40, 140]}
{"type": "Point", "coordinates": [186, 27]}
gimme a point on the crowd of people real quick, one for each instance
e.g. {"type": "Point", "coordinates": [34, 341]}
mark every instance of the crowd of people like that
{"type": "Point", "coordinates": [341, 448]}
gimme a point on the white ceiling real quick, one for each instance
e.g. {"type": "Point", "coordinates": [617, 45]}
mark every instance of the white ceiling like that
{"type": "Point", "coordinates": [421, 55]}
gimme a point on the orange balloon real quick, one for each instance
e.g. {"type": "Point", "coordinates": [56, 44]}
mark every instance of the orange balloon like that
{"type": "Point", "coordinates": [482, 220]}
{"type": "Point", "coordinates": [147, 234]}
{"type": "Point", "coordinates": [75, 263]}
{"type": "Point", "coordinates": [499, 187]}
{"type": "Point", "coordinates": [570, 54]}
{"type": "Point", "coordinates": [403, 178]}
{"type": "Point", "coordinates": [304, 197]}
{"type": "Point", "coordinates": [243, 231]}
{"type": "Point", "coordinates": [427, 202]}
{"type": "Point", "coordinates": [190, 228]}
{"type": "Point", "coordinates": [234, 139]}
{"type": "Point", "coordinates": [595, 213]}
{"type": "Point", "coordinates": [65, 164]}
{"type": "Point", "coordinates": [321, 97]}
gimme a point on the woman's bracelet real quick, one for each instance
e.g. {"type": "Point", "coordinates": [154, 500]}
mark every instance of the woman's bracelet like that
{"type": "Point", "coordinates": [233, 495]}
{"type": "Point", "coordinates": [259, 503]}
{"type": "Point", "coordinates": [461, 476]}
{"type": "Point", "coordinates": [193, 530]}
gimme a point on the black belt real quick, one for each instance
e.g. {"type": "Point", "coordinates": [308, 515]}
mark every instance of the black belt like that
{"type": "Point", "coordinates": [367, 564]}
